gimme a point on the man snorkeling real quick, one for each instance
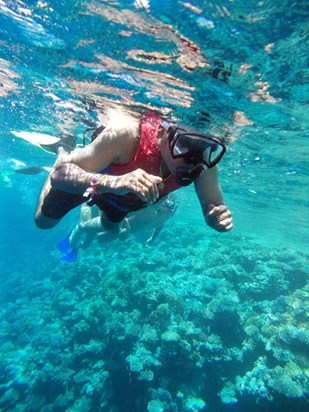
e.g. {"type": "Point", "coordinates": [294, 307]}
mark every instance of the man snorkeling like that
{"type": "Point", "coordinates": [131, 164]}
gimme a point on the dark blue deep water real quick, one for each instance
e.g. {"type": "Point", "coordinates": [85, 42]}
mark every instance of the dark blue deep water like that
{"type": "Point", "coordinates": [198, 321]}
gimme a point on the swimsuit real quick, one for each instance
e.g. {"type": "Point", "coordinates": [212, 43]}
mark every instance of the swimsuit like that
{"type": "Point", "coordinates": [57, 203]}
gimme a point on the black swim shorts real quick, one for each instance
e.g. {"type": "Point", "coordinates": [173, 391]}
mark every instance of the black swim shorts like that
{"type": "Point", "coordinates": [112, 208]}
{"type": "Point", "coordinates": [58, 203]}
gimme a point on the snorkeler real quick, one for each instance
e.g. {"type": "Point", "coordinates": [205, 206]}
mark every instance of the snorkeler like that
{"type": "Point", "coordinates": [133, 163]}
{"type": "Point", "coordinates": [89, 227]}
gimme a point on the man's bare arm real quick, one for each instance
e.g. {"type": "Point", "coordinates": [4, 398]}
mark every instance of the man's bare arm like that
{"type": "Point", "coordinates": [77, 171]}
{"type": "Point", "coordinates": [209, 192]}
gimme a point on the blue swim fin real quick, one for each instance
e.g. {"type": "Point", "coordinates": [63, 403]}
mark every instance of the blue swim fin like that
{"type": "Point", "coordinates": [64, 244]}
{"type": "Point", "coordinates": [68, 254]}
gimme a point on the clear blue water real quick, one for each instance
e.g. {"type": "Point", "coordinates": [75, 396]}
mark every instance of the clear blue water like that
{"type": "Point", "coordinates": [238, 69]}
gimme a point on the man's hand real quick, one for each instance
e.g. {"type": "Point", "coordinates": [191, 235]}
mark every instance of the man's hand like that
{"type": "Point", "coordinates": [219, 218]}
{"type": "Point", "coordinates": [139, 182]}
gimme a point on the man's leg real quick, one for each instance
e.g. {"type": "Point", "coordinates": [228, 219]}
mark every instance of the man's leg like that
{"type": "Point", "coordinates": [53, 204]}
{"type": "Point", "coordinates": [42, 221]}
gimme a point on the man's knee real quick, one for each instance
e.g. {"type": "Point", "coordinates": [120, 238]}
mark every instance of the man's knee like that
{"type": "Point", "coordinates": [43, 222]}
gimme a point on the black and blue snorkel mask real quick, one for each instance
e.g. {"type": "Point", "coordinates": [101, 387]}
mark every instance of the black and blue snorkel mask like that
{"type": "Point", "coordinates": [201, 150]}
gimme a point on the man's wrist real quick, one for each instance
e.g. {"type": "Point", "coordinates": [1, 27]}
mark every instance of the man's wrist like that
{"type": "Point", "coordinates": [104, 183]}
{"type": "Point", "coordinates": [94, 185]}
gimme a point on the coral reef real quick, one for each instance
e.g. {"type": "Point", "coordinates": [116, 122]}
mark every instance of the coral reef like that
{"type": "Point", "coordinates": [177, 327]}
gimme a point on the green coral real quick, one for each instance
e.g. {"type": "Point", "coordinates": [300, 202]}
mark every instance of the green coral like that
{"type": "Point", "coordinates": [193, 404]}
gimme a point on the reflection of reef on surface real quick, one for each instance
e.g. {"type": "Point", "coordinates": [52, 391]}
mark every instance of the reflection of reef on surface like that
{"type": "Point", "coordinates": [157, 87]}
{"type": "Point", "coordinates": [177, 327]}
{"type": "Point", "coordinates": [189, 55]}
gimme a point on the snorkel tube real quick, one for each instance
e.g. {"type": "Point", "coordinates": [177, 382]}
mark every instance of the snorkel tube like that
{"type": "Point", "coordinates": [185, 176]}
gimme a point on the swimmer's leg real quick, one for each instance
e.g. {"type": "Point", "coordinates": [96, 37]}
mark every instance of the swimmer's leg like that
{"type": "Point", "coordinates": [107, 224]}
{"type": "Point", "coordinates": [88, 239]}
{"type": "Point", "coordinates": [112, 230]}
{"type": "Point", "coordinates": [42, 220]}
{"type": "Point", "coordinates": [90, 228]}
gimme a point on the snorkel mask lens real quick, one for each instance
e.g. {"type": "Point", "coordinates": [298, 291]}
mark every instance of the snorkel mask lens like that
{"type": "Point", "coordinates": [195, 148]}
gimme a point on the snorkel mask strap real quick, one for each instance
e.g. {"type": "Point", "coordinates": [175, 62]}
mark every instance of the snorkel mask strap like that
{"type": "Point", "coordinates": [170, 129]}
